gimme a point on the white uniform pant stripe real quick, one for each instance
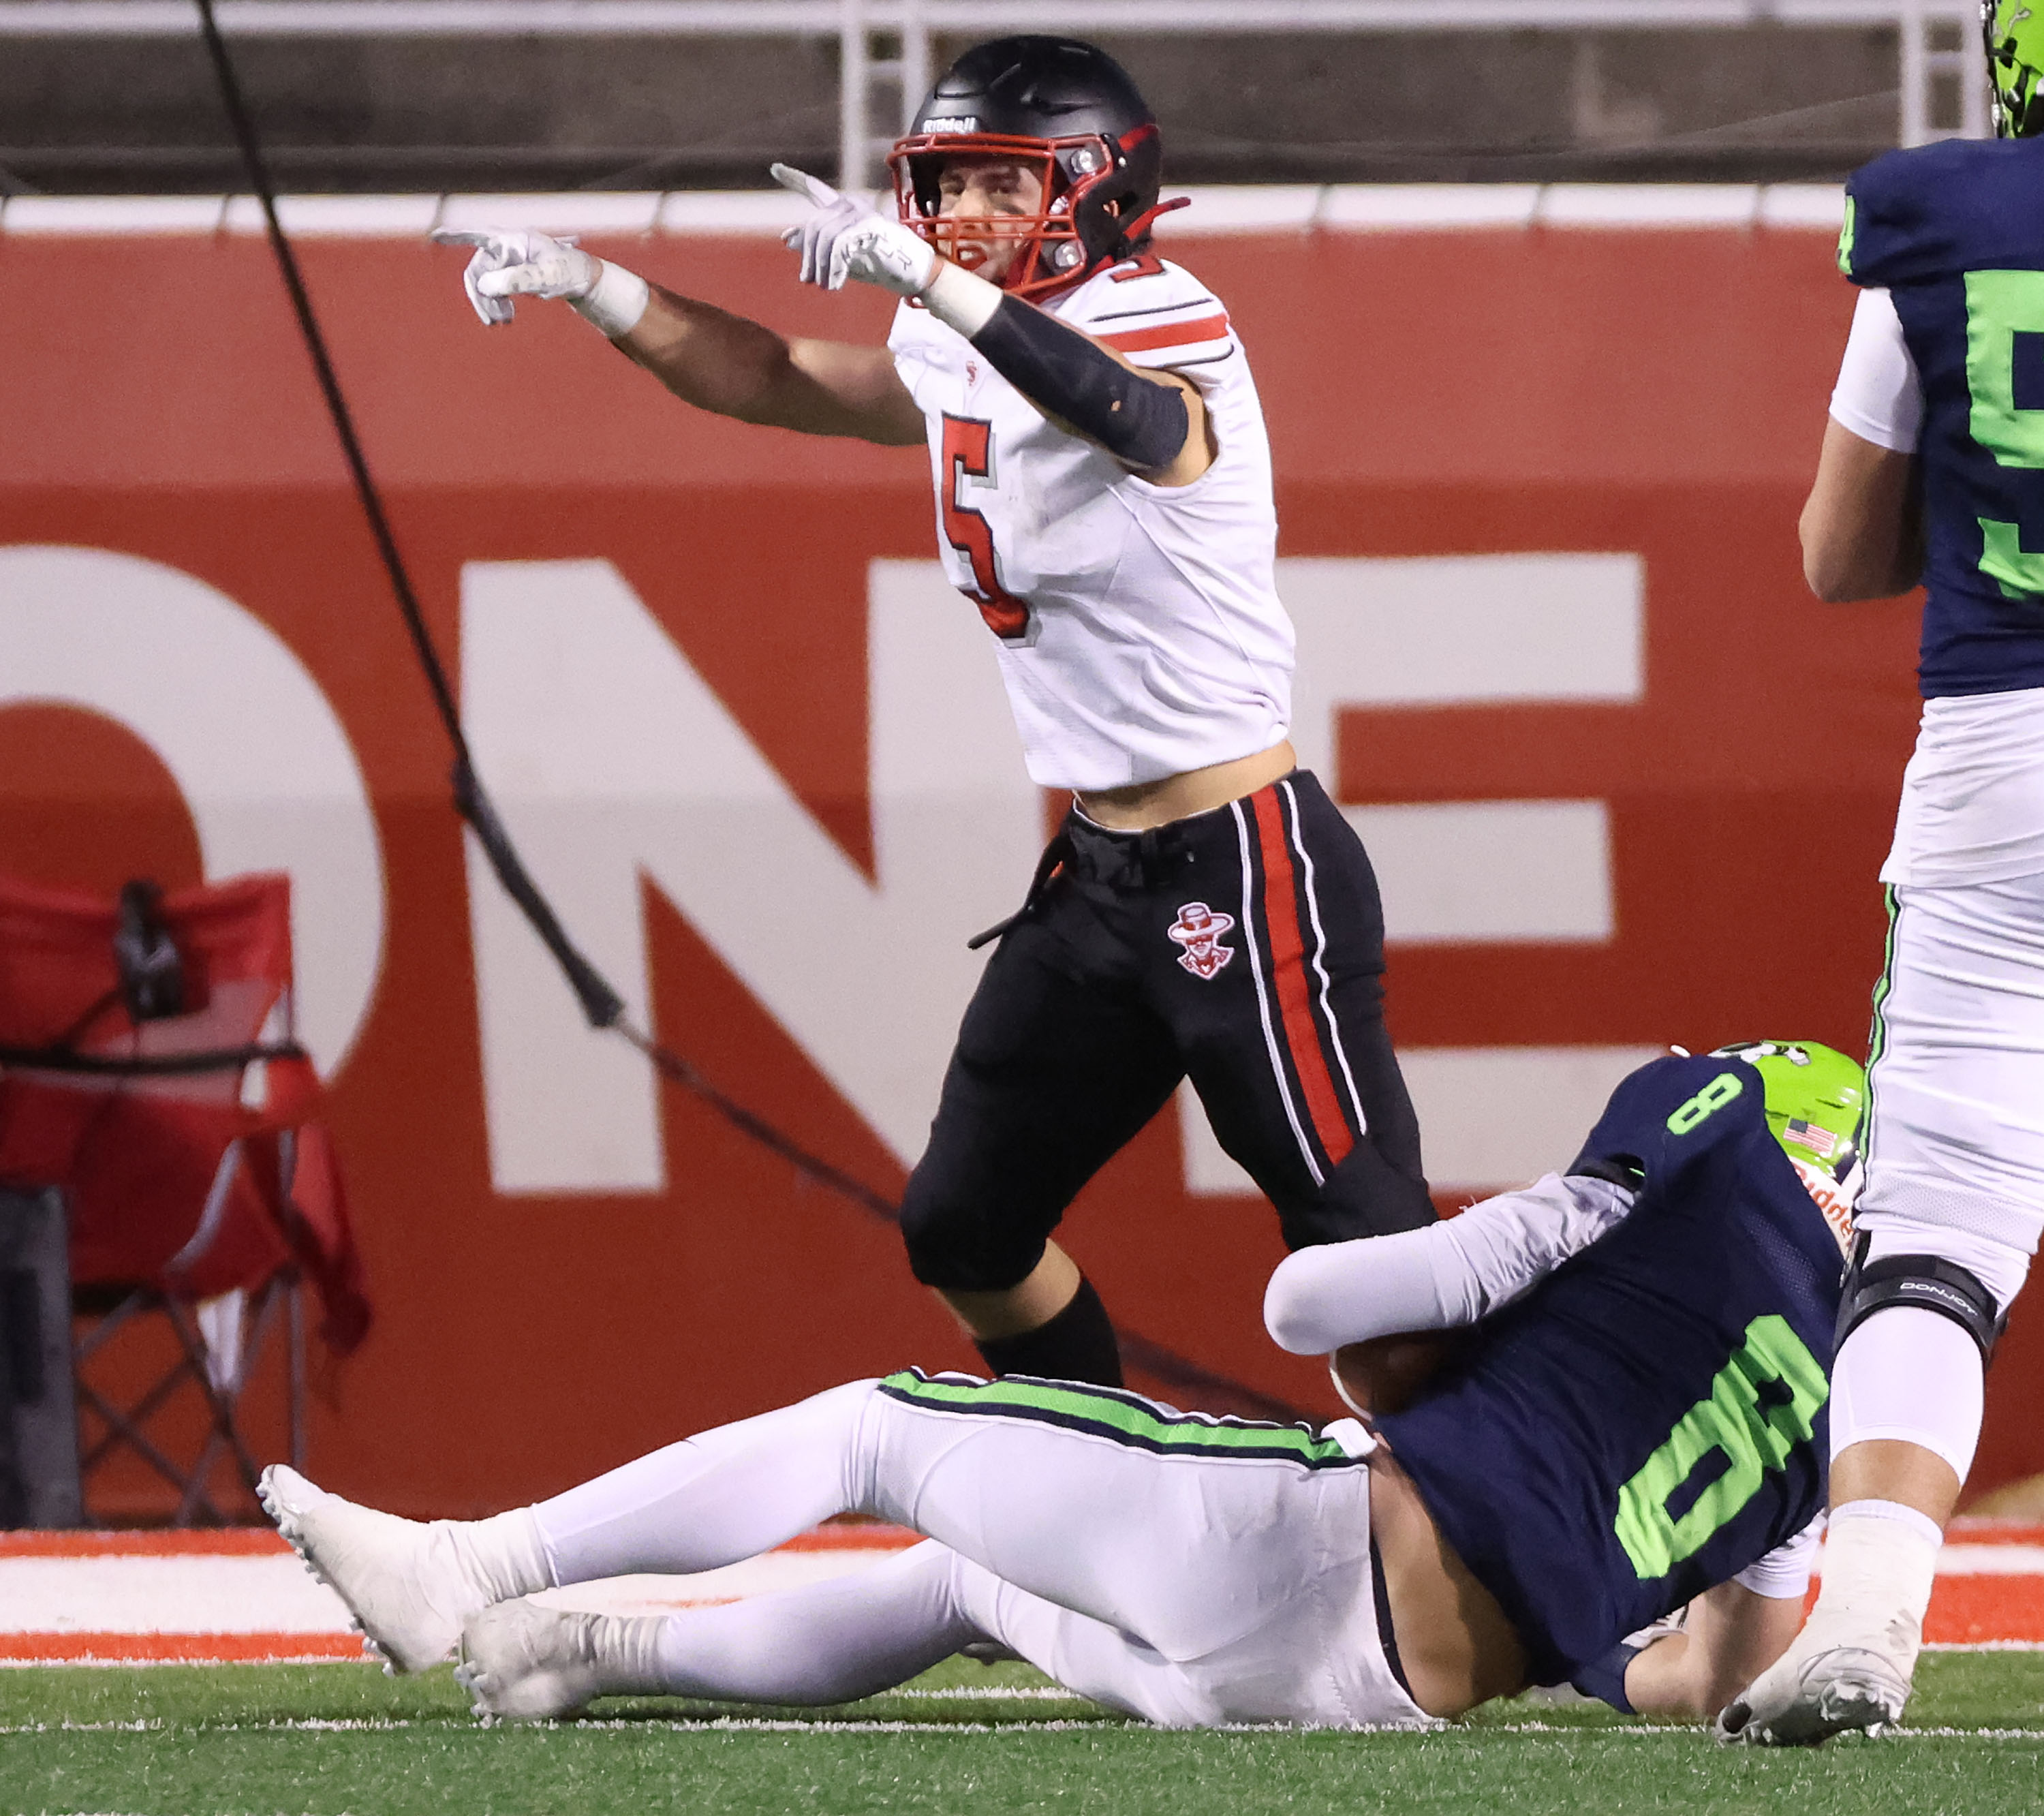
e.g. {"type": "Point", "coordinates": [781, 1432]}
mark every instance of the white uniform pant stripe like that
{"type": "Point", "coordinates": [1320, 957]}
{"type": "Point", "coordinates": [1270, 1040]}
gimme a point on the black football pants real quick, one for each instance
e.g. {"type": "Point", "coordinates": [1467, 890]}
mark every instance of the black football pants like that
{"type": "Point", "coordinates": [1242, 947]}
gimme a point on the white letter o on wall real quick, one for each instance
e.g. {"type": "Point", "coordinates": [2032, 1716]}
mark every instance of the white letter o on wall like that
{"type": "Point", "coordinates": [255, 749]}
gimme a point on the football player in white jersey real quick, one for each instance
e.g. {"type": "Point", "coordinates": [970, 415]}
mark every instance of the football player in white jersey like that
{"type": "Point", "coordinates": [1104, 498]}
{"type": "Point", "coordinates": [1930, 471]}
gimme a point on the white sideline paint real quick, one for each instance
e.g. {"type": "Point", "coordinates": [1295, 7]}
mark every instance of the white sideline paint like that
{"type": "Point", "coordinates": [768, 1574]}
{"type": "Point", "coordinates": [199, 1595]}
{"type": "Point", "coordinates": [1216, 210]}
{"type": "Point", "coordinates": [275, 1593]}
{"type": "Point", "coordinates": [175, 1594]}
{"type": "Point", "coordinates": [258, 753]}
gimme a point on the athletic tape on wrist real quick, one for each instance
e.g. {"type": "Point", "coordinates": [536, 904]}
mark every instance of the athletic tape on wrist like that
{"type": "Point", "coordinates": [960, 300]}
{"type": "Point", "coordinates": [616, 301]}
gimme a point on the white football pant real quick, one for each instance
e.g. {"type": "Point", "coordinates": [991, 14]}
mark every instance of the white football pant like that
{"type": "Point", "coordinates": [1189, 1589]}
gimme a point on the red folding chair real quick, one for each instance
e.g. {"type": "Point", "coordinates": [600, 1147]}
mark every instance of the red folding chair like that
{"type": "Point", "coordinates": [148, 1069]}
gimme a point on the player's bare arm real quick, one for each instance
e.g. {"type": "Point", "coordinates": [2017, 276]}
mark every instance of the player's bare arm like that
{"type": "Point", "coordinates": [1862, 527]}
{"type": "Point", "coordinates": [705, 356]}
{"type": "Point", "coordinates": [733, 367]}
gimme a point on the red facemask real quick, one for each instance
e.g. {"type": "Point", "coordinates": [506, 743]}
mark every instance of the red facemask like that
{"type": "Point", "coordinates": [1051, 252]}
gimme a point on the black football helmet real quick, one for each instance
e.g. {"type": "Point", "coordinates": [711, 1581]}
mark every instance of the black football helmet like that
{"type": "Point", "coordinates": [1071, 110]}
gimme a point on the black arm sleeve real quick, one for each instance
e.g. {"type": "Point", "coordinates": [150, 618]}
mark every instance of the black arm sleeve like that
{"type": "Point", "coordinates": [1141, 424]}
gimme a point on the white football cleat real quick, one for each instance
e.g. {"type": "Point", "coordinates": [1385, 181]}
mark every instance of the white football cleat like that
{"type": "Point", "coordinates": [523, 1661]}
{"type": "Point", "coordinates": [1800, 1702]}
{"type": "Point", "coordinates": [402, 1580]}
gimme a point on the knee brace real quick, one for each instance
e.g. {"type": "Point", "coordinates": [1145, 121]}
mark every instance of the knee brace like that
{"type": "Point", "coordinates": [1929, 1282]}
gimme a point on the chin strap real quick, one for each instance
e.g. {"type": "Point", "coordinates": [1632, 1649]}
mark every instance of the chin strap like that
{"type": "Point", "coordinates": [1138, 230]}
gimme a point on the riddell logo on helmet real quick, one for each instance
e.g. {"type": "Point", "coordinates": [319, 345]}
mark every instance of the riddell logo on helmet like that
{"type": "Point", "coordinates": [1834, 1198]}
{"type": "Point", "coordinates": [953, 123]}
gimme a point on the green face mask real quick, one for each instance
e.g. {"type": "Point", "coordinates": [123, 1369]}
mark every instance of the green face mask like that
{"type": "Point", "coordinates": [1816, 1099]}
{"type": "Point", "coordinates": [2014, 30]}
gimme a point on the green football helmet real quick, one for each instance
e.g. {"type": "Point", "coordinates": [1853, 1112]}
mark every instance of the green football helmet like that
{"type": "Point", "coordinates": [2015, 33]}
{"type": "Point", "coordinates": [1816, 1100]}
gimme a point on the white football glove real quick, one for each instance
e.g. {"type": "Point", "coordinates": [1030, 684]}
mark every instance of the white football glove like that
{"type": "Point", "coordinates": [514, 262]}
{"type": "Point", "coordinates": [845, 239]}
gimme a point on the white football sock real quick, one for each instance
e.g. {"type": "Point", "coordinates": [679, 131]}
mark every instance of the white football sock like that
{"type": "Point", "coordinates": [1913, 1375]}
{"type": "Point", "coordinates": [1880, 1559]}
{"type": "Point", "coordinates": [627, 1654]}
{"type": "Point", "coordinates": [501, 1555]}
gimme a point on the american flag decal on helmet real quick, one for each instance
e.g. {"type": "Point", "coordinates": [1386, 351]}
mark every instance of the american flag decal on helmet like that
{"type": "Point", "coordinates": [1820, 1141]}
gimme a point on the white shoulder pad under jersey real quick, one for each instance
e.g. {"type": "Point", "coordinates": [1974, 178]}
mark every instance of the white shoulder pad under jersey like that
{"type": "Point", "coordinates": [1140, 633]}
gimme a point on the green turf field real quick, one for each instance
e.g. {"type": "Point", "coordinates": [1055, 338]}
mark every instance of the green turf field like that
{"type": "Point", "coordinates": [966, 1741]}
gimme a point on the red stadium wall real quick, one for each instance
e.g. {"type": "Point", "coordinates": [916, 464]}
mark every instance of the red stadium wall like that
{"type": "Point", "coordinates": [1655, 393]}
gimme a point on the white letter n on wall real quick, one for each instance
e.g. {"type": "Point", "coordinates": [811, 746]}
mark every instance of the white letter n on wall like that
{"type": "Point", "coordinates": [609, 758]}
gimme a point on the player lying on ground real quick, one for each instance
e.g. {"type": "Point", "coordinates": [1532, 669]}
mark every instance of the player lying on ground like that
{"type": "Point", "coordinates": [1933, 469]}
{"type": "Point", "coordinates": [1104, 497]}
{"type": "Point", "coordinates": [1637, 1430]}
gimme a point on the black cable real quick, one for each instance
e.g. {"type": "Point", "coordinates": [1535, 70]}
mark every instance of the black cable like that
{"type": "Point", "coordinates": [600, 1003]}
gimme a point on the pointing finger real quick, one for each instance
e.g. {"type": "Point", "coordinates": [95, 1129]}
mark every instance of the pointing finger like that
{"type": "Point", "coordinates": [819, 192]}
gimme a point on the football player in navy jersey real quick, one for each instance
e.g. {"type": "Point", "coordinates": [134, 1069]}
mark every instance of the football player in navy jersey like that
{"type": "Point", "coordinates": [1632, 1421]}
{"type": "Point", "coordinates": [1933, 469]}
{"type": "Point", "coordinates": [1105, 501]}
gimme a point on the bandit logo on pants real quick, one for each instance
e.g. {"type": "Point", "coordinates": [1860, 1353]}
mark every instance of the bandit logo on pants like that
{"type": "Point", "coordinates": [1198, 929]}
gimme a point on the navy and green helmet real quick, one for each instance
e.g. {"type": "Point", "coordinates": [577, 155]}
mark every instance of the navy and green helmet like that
{"type": "Point", "coordinates": [1816, 1099]}
{"type": "Point", "coordinates": [2014, 30]}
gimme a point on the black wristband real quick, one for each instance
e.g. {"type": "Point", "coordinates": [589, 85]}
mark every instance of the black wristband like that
{"type": "Point", "coordinates": [1141, 423]}
{"type": "Point", "coordinates": [1605, 1678]}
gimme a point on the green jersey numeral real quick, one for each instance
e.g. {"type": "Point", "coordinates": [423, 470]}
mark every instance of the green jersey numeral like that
{"type": "Point", "coordinates": [1729, 1419]}
{"type": "Point", "coordinates": [2000, 305]}
{"type": "Point", "coordinates": [1713, 1097]}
